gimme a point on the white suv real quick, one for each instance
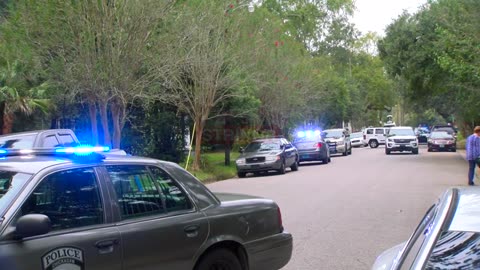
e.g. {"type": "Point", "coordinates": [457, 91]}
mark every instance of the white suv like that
{"type": "Point", "coordinates": [401, 139]}
{"type": "Point", "coordinates": [374, 136]}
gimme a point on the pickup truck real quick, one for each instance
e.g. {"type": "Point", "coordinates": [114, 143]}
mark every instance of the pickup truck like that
{"type": "Point", "coordinates": [39, 139]}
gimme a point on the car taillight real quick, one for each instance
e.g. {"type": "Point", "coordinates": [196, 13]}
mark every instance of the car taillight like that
{"type": "Point", "coordinates": [318, 145]}
{"type": "Point", "coordinates": [280, 222]}
{"type": "Point", "coordinates": [364, 136]}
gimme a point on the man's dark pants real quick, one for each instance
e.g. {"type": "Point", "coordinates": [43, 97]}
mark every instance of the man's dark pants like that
{"type": "Point", "coordinates": [471, 170]}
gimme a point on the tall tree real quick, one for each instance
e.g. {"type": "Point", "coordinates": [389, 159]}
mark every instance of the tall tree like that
{"type": "Point", "coordinates": [201, 73]}
{"type": "Point", "coordinates": [94, 50]}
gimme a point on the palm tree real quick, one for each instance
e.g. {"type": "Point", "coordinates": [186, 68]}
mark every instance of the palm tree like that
{"type": "Point", "coordinates": [18, 95]}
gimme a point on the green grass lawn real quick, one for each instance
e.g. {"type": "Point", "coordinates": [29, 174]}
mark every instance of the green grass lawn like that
{"type": "Point", "coordinates": [213, 167]}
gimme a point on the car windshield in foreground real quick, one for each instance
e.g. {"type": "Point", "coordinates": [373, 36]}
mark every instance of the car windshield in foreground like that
{"type": "Point", "coordinates": [333, 134]}
{"type": "Point", "coordinates": [17, 142]}
{"type": "Point", "coordinates": [416, 240]}
{"type": "Point", "coordinates": [11, 183]}
{"type": "Point", "coordinates": [443, 134]}
{"type": "Point", "coordinates": [263, 146]}
{"type": "Point", "coordinates": [401, 132]}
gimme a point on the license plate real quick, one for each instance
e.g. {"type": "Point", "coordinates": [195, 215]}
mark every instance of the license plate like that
{"type": "Point", "coordinates": [254, 166]}
{"type": "Point", "coordinates": [305, 156]}
{"type": "Point", "coordinates": [441, 145]}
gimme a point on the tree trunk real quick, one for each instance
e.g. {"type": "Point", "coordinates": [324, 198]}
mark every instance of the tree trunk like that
{"type": "Point", "coordinates": [228, 134]}
{"type": "Point", "coordinates": [107, 140]}
{"type": "Point", "coordinates": [198, 142]}
{"type": "Point", "coordinates": [92, 109]}
{"type": "Point", "coordinates": [118, 123]}
{"type": "Point", "coordinates": [7, 123]}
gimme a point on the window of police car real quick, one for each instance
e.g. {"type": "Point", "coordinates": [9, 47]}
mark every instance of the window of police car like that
{"type": "Point", "coordinates": [143, 192]}
{"type": "Point", "coordinates": [69, 198]}
{"type": "Point", "coordinates": [175, 197]}
{"type": "Point", "coordinates": [11, 183]}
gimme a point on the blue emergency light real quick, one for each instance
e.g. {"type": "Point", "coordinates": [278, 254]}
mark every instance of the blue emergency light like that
{"type": "Point", "coordinates": [308, 133]}
{"type": "Point", "coordinates": [82, 150]}
{"type": "Point", "coordinates": [85, 151]}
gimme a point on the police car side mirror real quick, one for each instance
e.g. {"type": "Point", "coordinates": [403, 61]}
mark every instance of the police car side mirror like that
{"type": "Point", "coordinates": [241, 150]}
{"type": "Point", "coordinates": [32, 225]}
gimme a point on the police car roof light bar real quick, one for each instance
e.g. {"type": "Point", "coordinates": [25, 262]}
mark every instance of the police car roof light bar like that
{"type": "Point", "coordinates": [79, 151]}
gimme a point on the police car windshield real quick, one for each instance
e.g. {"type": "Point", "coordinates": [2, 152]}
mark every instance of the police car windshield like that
{"type": "Point", "coordinates": [401, 132]}
{"type": "Point", "coordinates": [333, 134]}
{"type": "Point", "coordinates": [11, 183]}
{"type": "Point", "coordinates": [263, 146]}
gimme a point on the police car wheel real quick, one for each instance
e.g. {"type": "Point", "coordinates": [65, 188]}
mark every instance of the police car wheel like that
{"type": "Point", "coordinates": [220, 258]}
{"type": "Point", "coordinates": [282, 168]}
{"type": "Point", "coordinates": [294, 166]}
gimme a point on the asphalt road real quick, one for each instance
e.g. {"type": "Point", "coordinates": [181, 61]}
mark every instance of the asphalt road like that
{"type": "Point", "coordinates": [342, 215]}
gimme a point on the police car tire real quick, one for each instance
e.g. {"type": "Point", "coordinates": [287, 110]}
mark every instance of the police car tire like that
{"type": "Point", "coordinates": [326, 160]}
{"type": "Point", "coordinates": [241, 174]}
{"type": "Point", "coordinates": [219, 258]}
{"type": "Point", "coordinates": [294, 166]}
{"type": "Point", "coordinates": [282, 168]}
{"type": "Point", "coordinates": [373, 144]}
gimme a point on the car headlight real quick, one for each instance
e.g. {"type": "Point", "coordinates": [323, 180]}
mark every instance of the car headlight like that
{"type": "Point", "coordinates": [240, 161]}
{"type": "Point", "coordinates": [272, 158]}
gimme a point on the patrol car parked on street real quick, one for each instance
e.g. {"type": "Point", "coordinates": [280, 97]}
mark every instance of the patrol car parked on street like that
{"type": "Point", "coordinates": [401, 139]}
{"type": "Point", "coordinates": [72, 208]}
{"type": "Point", "coordinates": [338, 141]}
{"type": "Point", "coordinates": [311, 146]}
{"type": "Point", "coordinates": [269, 154]}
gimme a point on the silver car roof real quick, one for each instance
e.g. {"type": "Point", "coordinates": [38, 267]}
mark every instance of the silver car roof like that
{"type": "Point", "coordinates": [34, 164]}
{"type": "Point", "coordinates": [467, 213]}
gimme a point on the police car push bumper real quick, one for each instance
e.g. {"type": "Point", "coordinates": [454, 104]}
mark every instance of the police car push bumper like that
{"type": "Point", "coordinates": [393, 146]}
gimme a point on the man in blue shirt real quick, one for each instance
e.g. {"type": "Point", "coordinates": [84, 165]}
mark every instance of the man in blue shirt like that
{"type": "Point", "coordinates": [473, 152]}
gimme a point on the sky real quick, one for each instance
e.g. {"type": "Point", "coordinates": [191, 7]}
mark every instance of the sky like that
{"type": "Point", "coordinates": [376, 15]}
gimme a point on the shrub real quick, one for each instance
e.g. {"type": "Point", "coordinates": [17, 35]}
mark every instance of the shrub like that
{"type": "Point", "coordinates": [461, 144]}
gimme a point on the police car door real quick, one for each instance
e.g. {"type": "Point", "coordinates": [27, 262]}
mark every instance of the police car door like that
{"type": "Point", "coordinates": [158, 223]}
{"type": "Point", "coordinates": [80, 236]}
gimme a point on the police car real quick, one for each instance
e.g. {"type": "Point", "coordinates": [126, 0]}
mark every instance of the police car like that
{"type": "Point", "coordinates": [85, 208]}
